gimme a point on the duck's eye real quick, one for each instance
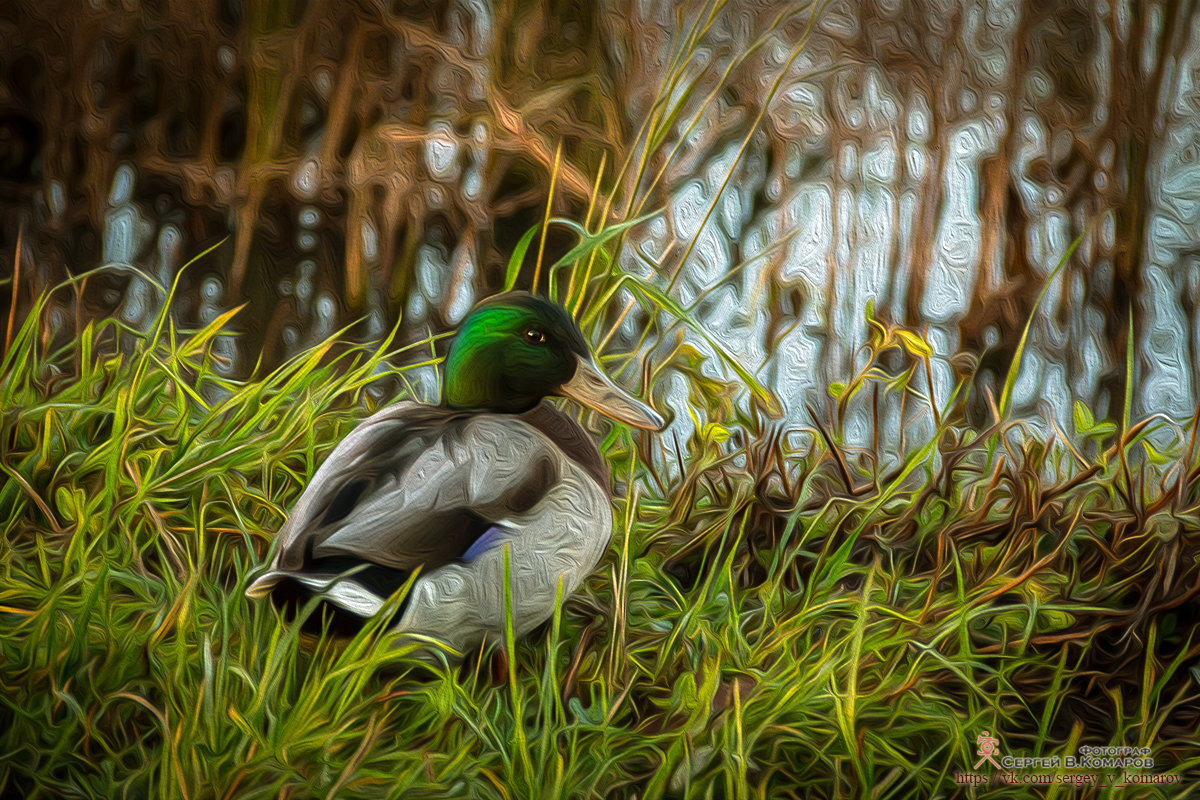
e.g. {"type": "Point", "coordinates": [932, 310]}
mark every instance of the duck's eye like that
{"type": "Point", "coordinates": [534, 336]}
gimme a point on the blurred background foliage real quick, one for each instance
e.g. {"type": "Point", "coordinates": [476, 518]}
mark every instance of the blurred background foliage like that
{"type": "Point", "coordinates": [379, 161]}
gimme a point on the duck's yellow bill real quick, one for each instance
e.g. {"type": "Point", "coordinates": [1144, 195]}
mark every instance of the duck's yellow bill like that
{"type": "Point", "coordinates": [595, 390]}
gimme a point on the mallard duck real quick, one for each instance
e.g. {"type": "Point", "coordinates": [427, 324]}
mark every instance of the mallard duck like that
{"type": "Point", "coordinates": [444, 490]}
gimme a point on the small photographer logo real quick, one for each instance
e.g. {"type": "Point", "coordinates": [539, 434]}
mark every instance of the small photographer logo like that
{"type": "Point", "coordinates": [987, 749]}
{"type": "Point", "coordinates": [1092, 766]}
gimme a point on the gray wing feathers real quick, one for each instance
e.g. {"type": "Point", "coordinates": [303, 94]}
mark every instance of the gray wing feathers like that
{"type": "Point", "coordinates": [404, 517]}
{"type": "Point", "coordinates": [461, 604]}
{"type": "Point", "coordinates": [475, 469]}
{"type": "Point", "coordinates": [545, 509]}
{"type": "Point", "coordinates": [329, 477]}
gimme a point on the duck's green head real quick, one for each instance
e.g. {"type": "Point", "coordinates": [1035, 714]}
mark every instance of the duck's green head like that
{"type": "Point", "coordinates": [514, 349]}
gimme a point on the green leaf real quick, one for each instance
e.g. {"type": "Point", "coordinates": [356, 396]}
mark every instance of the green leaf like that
{"type": "Point", "coordinates": [1015, 367]}
{"type": "Point", "coordinates": [593, 241]}
{"type": "Point", "coordinates": [876, 331]}
{"type": "Point", "coordinates": [1084, 421]}
{"type": "Point", "coordinates": [715, 432]}
{"type": "Point", "coordinates": [837, 389]}
{"type": "Point", "coordinates": [517, 258]}
{"type": "Point", "coordinates": [770, 403]}
{"type": "Point", "coordinates": [915, 344]}
{"type": "Point", "coordinates": [198, 340]}
{"type": "Point", "coordinates": [1155, 455]}
{"type": "Point", "coordinates": [67, 504]}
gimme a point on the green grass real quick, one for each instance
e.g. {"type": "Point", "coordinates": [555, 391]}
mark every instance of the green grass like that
{"type": "Point", "coordinates": [784, 620]}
